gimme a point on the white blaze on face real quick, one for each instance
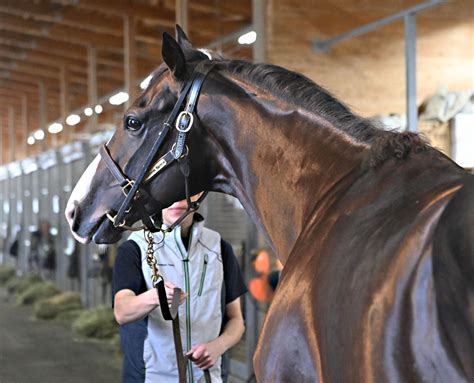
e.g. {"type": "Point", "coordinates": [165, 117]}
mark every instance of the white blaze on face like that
{"type": "Point", "coordinates": [81, 189]}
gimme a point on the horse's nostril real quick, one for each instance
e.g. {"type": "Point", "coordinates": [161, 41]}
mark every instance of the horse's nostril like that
{"type": "Point", "coordinates": [71, 212]}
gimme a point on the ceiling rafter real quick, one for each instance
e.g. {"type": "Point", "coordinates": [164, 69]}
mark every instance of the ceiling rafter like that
{"type": "Point", "coordinates": [159, 14]}
{"type": "Point", "coordinates": [40, 37]}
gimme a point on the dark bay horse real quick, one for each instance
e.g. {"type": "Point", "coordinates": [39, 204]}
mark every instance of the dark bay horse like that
{"type": "Point", "coordinates": [375, 228]}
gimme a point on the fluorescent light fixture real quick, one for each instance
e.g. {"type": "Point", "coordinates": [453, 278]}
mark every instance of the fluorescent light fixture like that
{"type": "Point", "coordinates": [55, 204]}
{"type": "Point", "coordinates": [98, 109]}
{"type": "Point", "coordinates": [31, 140]}
{"type": "Point", "coordinates": [145, 82]}
{"type": "Point", "coordinates": [35, 205]}
{"type": "Point", "coordinates": [248, 38]}
{"type": "Point", "coordinates": [55, 127]}
{"type": "Point", "coordinates": [39, 135]}
{"type": "Point", "coordinates": [73, 119]}
{"type": "Point", "coordinates": [88, 112]}
{"type": "Point", "coordinates": [119, 98]}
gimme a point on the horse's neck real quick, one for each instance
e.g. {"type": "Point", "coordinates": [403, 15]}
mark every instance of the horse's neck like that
{"type": "Point", "coordinates": [281, 162]}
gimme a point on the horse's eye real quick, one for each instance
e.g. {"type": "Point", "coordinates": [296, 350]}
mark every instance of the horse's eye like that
{"type": "Point", "coordinates": [133, 124]}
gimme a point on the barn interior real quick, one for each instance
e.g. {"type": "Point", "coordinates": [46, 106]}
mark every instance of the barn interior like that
{"type": "Point", "coordinates": [70, 68]}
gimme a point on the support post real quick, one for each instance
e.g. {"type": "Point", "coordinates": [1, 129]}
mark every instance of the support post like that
{"type": "Point", "coordinates": [24, 124]}
{"type": "Point", "coordinates": [182, 14]}
{"type": "Point", "coordinates": [2, 147]}
{"type": "Point", "coordinates": [130, 65]}
{"type": "Point", "coordinates": [42, 112]}
{"type": "Point", "coordinates": [12, 134]}
{"type": "Point", "coordinates": [410, 71]}
{"type": "Point", "coordinates": [63, 104]}
{"type": "Point", "coordinates": [258, 20]}
{"type": "Point", "coordinates": [92, 86]}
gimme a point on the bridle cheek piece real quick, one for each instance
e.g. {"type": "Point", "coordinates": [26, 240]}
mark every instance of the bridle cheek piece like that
{"type": "Point", "coordinates": [135, 194]}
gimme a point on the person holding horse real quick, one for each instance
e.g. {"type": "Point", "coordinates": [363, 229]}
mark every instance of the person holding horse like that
{"type": "Point", "coordinates": [197, 260]}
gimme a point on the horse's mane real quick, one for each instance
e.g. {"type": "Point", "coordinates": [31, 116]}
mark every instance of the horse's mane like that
{"type": "Point", "coordinates": [299, 90]}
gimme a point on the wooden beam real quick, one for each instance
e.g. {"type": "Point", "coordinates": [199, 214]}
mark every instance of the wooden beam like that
{"type": "Point", "coordinates": [27, 72]}
{"type": "Point", "coordinates": [59, 33]}
{"type": "Point", "coordinates": [159, 14]}
{"type": "Point", "coordinates": [41, 44]}
{"type": "Point", "coordinates": [46, 56]}
{"type": "Point", "coordinates": [71, 17]}
{"type": "Point", "coordinates": [45, 62]}
{"type": "Point", "coordinates": [29, 69]}
{"type": "Point", "coordinates": [30, 9]}
{"type": "Point", "coordinates": [17, 24]}
{"type": "Point", "coordinates": [81, 37]}
{"type": "Point", "coordinates": [24, 84]}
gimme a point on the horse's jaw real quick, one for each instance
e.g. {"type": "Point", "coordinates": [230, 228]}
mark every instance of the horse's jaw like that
{"type": "Point", "coordinates": [106, 233]}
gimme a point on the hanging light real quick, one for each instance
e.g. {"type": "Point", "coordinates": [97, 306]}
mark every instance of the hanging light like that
{"type": "Point", "coordinates": [88, 112]}
{"type": "Point", "coordinates": [39, 135]}
{"type": "Point", "coordinates": [248, 38]}
{"type": "Point", "coordinates": [98, 109]}
{"type": "Point", "coordinates": [119, 98]}
{"type": "Point", "coordinates": [73, 119]}
{"type": "Point", "coordinates": [31, 140]}
{"type": "Point", "coordinates": [55, 127]}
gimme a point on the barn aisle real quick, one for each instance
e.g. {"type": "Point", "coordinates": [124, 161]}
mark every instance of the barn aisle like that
{"type": "Point", "coordinates": [40, 351]}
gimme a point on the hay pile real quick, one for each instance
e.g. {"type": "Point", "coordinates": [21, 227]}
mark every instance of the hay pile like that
{"type": "Point", "coordinates": [6, 273]}
{"type": "Point", "coordinates": [18, 285]}
{"type": "Point", "coordinates": [97, 322]}
{"type": "Point", "coordinates": [58, 306]}
{"type": "Point", "coordinates": [36, 292]}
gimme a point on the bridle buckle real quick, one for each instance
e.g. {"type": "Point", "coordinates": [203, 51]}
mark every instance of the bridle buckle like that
{"type": "Point", "coordinates": [187, 124]}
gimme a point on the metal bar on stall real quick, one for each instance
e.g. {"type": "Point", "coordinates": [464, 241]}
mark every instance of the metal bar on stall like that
{"type": "Point", "coordinates": [325, 45]}
{"type": "Point", "coordinates": [410, 71]}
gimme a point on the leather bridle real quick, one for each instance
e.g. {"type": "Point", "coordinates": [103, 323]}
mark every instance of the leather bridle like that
{"type": "Point", "coordinates": [135, 194]}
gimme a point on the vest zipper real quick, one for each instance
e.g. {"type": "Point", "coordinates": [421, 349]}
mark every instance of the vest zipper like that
{"type": "Point", "coordinates": [185, 258]}
{"type": "Point", "coordinates": [203, 275]}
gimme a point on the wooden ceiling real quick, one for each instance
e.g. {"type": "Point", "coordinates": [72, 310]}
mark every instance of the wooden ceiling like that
{"type": "Point", "coordinates": [42, 40]}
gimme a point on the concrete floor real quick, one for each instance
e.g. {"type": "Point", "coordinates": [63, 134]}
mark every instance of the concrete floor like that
{"type": "Point", "coordinates": [34, 351]}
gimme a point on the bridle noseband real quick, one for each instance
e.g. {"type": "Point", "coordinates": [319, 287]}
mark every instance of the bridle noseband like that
{"type": "Point", "coordinates": [133, 189]}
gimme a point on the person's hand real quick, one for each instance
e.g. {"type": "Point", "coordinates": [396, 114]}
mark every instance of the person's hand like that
{"type": "Point", "coordinates": [204, 355]}
{"type": "Point", "coordinates": [169, 287]}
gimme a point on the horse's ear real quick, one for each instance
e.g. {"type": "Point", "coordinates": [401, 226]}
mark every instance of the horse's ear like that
{"type": "Point", "coordinates": [173, 56]}
{"type": "Point", "coordinates": [182, 39]}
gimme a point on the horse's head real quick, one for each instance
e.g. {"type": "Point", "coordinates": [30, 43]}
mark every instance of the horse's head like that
{"type": "Point", "coordinates": [149, 135]}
